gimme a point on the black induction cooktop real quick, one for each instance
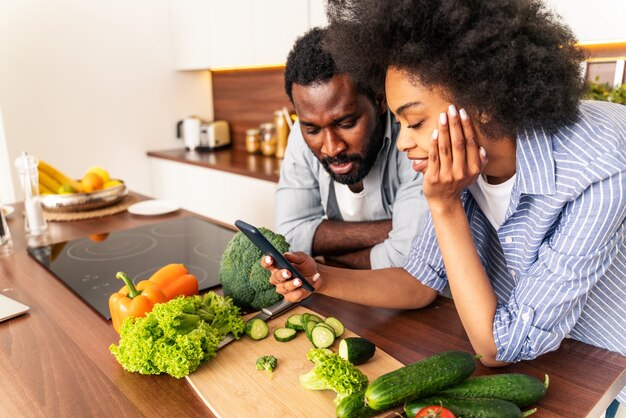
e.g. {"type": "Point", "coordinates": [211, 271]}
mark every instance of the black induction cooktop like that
{"type": "Point", "coordinates": [88, 265]}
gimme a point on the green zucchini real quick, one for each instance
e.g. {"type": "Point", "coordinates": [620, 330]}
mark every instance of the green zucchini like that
{"type": "Point", "coordinates": [284, 334]}
{"type": "Point", "coordinates": [336, 325]}
{"type": "Point", "coordinates": [469, 408]}
{"type": "Point", "coordinates": [295, 322]}
{"type": "Point", "coordinates": [322, 336]}
{"type": "Point", "coordinates": [257, 329]}
{"type": "Point", "coordinates": [521, 389]}
{"type": "Point", "coordinates": [353, 406]}
{"type": "Point", "coordinates": [419, 379]}
{"type": "Point", "coordinates": [356, 350]}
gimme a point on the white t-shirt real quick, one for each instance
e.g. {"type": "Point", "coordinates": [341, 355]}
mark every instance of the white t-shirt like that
{"type": "Point", "coordinates": [493, 199]}
{"type": "Point", "coordinates": [353, 206]}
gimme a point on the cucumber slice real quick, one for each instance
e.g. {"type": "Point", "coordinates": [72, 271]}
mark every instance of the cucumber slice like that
{"type": "Point", "coordinates": [308, 327]}
{"type": "Point", "coordinates": [336, 324]}
{"type": "Point", "coordinates": [322, 336]}
{"type": "Point", "coordinates": [356, 350]}
{"type": "Point", "coordinates": [257, 329]}
{"type": "Point", "coordinates": [322, 324]}
{"type": "Point", "coordinates": [294, 322]}
{"type": "Point", "coordinates": [284, 334]}
{"type": "Point", "coordinates": [313, 317]}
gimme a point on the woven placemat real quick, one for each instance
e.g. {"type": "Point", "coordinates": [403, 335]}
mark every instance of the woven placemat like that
{"type": "Point", "coordinates": [121, 206]}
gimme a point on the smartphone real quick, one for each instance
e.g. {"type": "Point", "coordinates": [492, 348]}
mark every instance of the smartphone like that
{"type": "Point", "coordinates": [267, 248]}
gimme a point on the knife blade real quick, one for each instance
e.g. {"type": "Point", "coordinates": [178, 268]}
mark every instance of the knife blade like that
{"type": "Point", "coordinates": [265, 314]}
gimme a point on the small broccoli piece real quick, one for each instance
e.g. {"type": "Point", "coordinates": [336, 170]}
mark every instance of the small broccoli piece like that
{"type": "Point", "coordinates": [177, 336]}
{"type": "Point", "coordinates": [267, 363]}
{"type": "Point", "coordinates": [334, 373]}
{"type": "Point", "coordinates": [242, 277]}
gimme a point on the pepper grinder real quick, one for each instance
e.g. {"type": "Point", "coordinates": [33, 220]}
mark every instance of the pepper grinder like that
{"type": "Point", "coordinates": [37, 234]}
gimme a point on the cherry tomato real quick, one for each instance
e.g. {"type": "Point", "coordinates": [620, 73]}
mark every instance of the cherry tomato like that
{"type": "Point", "coordinates": [434, 411]}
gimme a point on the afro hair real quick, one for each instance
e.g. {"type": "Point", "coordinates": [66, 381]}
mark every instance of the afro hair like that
{"type": "Point", "coordinates": [511, 59]}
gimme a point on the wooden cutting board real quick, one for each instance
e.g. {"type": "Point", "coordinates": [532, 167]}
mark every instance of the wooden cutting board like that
{"type": "Point", "coordinates": [230, 385]}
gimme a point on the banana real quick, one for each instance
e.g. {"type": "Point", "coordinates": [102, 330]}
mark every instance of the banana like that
{"type": "Point", "coordinates": [48, 182]}
{"type": "Point", "coordinates": [58, 176]}
{"type": "Point", "coordinates": [44, 190]}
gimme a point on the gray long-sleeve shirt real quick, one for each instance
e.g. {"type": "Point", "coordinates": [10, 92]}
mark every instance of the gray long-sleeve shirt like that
{"type": "Point", "coordinates": [305, 197]}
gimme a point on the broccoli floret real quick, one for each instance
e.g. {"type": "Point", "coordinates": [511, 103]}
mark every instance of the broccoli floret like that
{"type": "Point", "coordinates": [267, 363]}
{"type": "Point", "coordinates": [177, 336]}
{"type": "Point", "coordinates": [334, 373]}
{"type": "Point", "coordinates": [242, 277]}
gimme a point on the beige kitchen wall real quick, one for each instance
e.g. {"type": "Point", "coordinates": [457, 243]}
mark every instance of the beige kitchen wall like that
{"type": "Point", "coordinates": [86, 82]}
{"type": "Point", "coordinates": [597, 21]}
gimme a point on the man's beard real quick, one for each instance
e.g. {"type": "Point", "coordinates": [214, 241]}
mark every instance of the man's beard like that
{"type": "Point", "coordinates": [363, 164]}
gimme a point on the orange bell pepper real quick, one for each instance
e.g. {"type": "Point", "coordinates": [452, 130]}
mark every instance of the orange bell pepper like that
{"type": "Point", "coordinates": [166, 283]}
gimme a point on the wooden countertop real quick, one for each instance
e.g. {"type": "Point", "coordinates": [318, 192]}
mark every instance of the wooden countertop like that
{"type": "Point", "coordinates": [230, 160]}
{"type": "Point", "coordinates": [54, 360]}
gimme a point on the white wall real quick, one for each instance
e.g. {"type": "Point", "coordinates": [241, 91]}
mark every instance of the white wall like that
{"type": "Point", "coordinates": [599, 21]}
{"type": "Point", "coordinates": [85, 82]}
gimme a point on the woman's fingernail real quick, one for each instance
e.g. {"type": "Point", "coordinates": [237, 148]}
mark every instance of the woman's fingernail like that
{"type": "Point", "coordinates": [436, 134]}
{"type": "Point", "coordinates": [297, 282]}
{"type": "Point", "coordinates": [285, 274]}
{"type": "Point", "coordinates": [316, 277]}
{"type": "Point", "coordinates": [463, 114]}
{"type": "Point", "coordinates": [452, 110]}
{"type": "Point", "coordinates": [483, 152]}
{"type": "Point", "coordinates": [288, 253]}
{"type": "Point", "coordinates": [443, 119]}
{"type": "Point", "coordinates": [268, 259]}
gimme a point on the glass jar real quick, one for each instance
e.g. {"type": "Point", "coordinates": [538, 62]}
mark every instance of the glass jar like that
{"type": "Point", "coordinates": [36, 226]}
{"type": "Point", "coordinates": [253, 141]}
{"type": "Point", "coordinates": [282, 133]}
{"type": "Point", "coordinates": [6, 242]}
{"type": "Point", "coordinates": [268, 139]}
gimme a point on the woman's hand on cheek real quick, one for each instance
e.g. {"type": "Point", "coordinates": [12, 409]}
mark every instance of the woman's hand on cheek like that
{"type": "Point", "coordinates": [454, 158]}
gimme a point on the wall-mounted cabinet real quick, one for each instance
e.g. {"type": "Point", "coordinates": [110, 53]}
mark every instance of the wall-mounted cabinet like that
{"type": "Point", "coordinates": [211, 34]}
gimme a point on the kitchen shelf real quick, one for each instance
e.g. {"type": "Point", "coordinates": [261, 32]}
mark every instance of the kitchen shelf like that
{"type": "Point", "coordinates": [229, 160]}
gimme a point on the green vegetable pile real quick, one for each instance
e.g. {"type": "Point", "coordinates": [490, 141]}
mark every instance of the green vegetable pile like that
{"type": "Point", "coordinates": [334, 373]}
{"type": "Point", "coordinates": [268, 363]}
{"type": "Point", "coordinates": [243, 279]}
{"type": "Point", "coordinates": [177, 336]}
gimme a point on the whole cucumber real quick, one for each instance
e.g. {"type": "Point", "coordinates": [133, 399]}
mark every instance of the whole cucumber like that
{"type": "Point", "coordinates": [521, 389]}
{"type": "Point", "coordinates": [353, 406]}
{"type": "Point", "coordinates": [419, 379]}
{"type": "Point", "coordinates": [467, 408]}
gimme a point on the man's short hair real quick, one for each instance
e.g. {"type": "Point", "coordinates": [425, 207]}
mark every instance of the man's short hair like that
{"type": "Point", "coordinates": [307, 62]}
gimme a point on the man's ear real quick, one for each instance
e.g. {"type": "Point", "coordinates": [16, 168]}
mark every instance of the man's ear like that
{"type": "Point", "coordinates": [381, 103]}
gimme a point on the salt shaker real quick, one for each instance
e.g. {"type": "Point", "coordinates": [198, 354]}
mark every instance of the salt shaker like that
{"type": "Point", "coordinates": [36, 227]}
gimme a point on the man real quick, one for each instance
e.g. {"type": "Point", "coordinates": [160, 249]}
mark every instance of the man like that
{"type": "Point", "coordinates": [345, 192]}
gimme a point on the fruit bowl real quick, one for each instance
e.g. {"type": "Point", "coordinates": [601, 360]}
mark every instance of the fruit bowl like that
{"type": "Point", "coordinates": [77, 202]}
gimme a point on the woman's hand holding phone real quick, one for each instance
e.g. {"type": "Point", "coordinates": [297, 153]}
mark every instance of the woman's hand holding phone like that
{"type": "Point", "coordinates": [281, 278]}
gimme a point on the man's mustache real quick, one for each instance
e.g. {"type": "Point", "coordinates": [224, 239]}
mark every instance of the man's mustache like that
{"type": "Point", "coordinates": [340, 159]}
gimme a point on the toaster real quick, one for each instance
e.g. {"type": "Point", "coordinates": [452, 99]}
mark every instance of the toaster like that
{"type": "Point", "coordinates": [214, 135]}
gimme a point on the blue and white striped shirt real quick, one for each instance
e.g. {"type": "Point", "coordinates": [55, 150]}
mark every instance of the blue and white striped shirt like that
{"type": "Point", "coordinates": [558, 262]}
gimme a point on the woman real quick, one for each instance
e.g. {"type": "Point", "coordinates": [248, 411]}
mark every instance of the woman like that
{"type": "Point", "coordinates": [526, 185]}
